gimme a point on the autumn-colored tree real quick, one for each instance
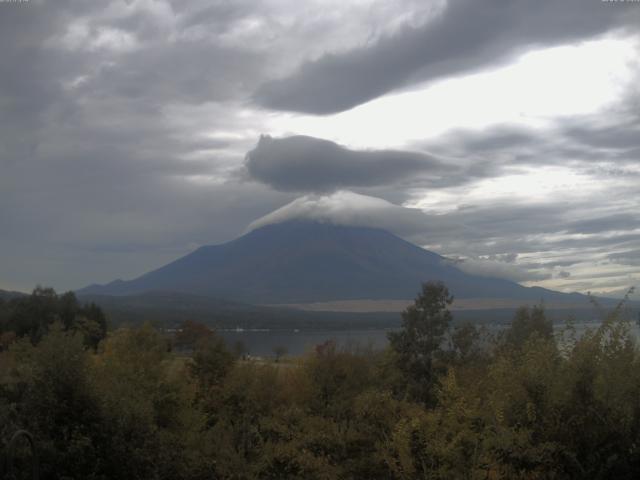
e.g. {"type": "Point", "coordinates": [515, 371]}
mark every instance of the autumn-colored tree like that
{"type": "Point", "coordinates": [190, 333]}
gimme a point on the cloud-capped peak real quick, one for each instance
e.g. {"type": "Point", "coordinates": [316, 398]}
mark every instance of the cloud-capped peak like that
{"type": "Point", "coordinates": [348, 208]}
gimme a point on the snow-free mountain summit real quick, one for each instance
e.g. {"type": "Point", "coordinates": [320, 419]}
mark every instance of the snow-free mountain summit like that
{"type": "Point", "coordinates": [303, 261]}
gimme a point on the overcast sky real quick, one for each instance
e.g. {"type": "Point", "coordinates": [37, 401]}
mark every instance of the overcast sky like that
{"type": "Point", "coordinates": [504, 134]}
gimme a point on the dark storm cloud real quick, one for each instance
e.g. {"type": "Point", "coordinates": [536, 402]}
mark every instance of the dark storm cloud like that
{"type": "Point", "coordinates": [314, 165]}
{"type": "Point", "coordinates": [467, 36]}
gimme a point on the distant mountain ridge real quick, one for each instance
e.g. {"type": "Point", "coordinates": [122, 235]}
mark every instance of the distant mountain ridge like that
{"type": "Point", "coordinates": [9, 294]}
{"type": "Point", "coordinates": [304, 261]}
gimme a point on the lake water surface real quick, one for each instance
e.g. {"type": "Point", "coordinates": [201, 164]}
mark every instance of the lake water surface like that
{"type": "Point", "coordinates": [297, 342]}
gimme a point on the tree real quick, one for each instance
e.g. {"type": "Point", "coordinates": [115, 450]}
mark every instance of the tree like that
{"type": "Point", "coordinates": [190, 333]}
{"type": "Point", "coordinates": [211, 362]}
{"type": "Point", "coordinates": [32, 316]}
{"type": "Point", "coordinates": [527, 322]}
{"type": "Point", "coordinates": [91, 322]}
{"type": "Point", "coordinates": [464, 341]}
{"type": "Point", "coordinates": [60, 407]}
{"type": "Point", "coordinates": [150, 426]}
{"type": "Point", "coordinates": [279, 351]}
{"type": "Point", "coordinates": [424, 325]}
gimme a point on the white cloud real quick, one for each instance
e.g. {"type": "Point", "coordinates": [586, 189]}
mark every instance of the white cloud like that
{"type": "Point", "coordinates": [348, 208]}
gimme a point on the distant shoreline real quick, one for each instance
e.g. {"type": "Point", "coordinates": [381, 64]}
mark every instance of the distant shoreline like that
{"type": "Point", "coordinates": [372, 306]}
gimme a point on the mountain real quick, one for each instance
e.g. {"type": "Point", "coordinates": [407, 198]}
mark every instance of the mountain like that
{"type": "Point", "coordinates": [303, 261]}
{"type": "Point", "coordinates": [8, 294]}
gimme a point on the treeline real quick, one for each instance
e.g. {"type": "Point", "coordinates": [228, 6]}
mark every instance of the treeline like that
{"type": "Point", "coordinates": [440, 402]}
{"type": "Point", "coordinates": [33, 315]}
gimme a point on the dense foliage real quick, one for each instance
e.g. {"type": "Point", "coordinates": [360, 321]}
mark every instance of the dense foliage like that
{"type": "Point", "coordinates": [33, 315]}
{"type": "Point", "coordinates": [441, 402]}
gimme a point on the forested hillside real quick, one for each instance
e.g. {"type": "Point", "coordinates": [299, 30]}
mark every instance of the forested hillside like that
{"type": "Point", "coordinates": [440, 402]}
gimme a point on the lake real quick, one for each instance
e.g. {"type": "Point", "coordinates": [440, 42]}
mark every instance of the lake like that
{"type": "Point", "coordinates": [262, 342]}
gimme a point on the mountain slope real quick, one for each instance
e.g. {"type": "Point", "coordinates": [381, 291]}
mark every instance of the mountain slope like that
{"type": "Point", "coordinates": [312, 262]}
